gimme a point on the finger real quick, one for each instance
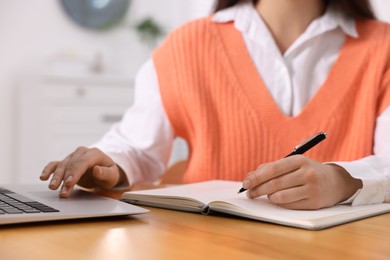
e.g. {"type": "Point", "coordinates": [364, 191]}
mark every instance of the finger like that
{"type": "Point", "coordinates": [84, 160]}
{"type": "Point", "coordinates": [290, 180]}
{"type": "Point", "coordinates": [70, 176]}
{"type": "Point", "coordinates": [301, 204]}
{"type": "Point", "coordinates": [272, 170]}
{"type": "Point", "coordinates": [288, 196]}
{"type": "Point", "coordinates": [106, 177]}
{"type": "Point", "coordinates": [58, 174]}
{"type": "Point", "coordinates": [48, 170]}
{"type": "Point", "coordinates": [66, 191]}
{"type": "Point", "coordinates": [250, 173]}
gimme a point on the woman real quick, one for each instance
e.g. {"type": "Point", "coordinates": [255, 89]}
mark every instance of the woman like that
{"type": "Point", "coordinates": [243, 87]}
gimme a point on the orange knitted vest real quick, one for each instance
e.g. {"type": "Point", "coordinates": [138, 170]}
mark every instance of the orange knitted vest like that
{"type": "Point", "coordinates": [216, 100]}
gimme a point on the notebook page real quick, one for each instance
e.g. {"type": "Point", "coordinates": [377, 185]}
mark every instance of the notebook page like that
{"type": "Point", "coordinates": [262, 207]}
{"type": "Point", "coordinates": [204, 192]}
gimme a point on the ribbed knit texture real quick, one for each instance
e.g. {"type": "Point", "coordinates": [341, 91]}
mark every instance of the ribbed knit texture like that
{"type": "Point", "coordinates": [216, 100]}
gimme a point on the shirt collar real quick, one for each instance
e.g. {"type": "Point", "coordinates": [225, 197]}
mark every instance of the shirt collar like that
{"type": "Point", "coordinates": [246, 19]}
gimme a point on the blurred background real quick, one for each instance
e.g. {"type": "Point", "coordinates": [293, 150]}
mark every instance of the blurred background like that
{"type": "Point", "coordinates": [67, 69]}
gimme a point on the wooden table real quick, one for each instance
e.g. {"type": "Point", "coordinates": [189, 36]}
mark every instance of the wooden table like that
{"type": "Point", "coordinates": [166, 234]}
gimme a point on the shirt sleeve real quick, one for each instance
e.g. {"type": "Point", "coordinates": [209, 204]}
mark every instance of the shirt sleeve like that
{"type": "Point", "coordinates": [374, 171]}
{"type": "Point", "coordinates": [142, 141]}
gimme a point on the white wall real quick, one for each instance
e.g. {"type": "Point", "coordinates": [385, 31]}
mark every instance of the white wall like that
{"type": "Point", "coordinates": [34, 33]}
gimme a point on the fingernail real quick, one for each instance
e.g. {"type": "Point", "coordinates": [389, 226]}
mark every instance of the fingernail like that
{"type": "Point", "coordinates": [246, 184]}
{"type": "Point", "coordinates": [42, 176]}
{"type": "Point", "coordinates": [69, 179]}
{"type": "Point", "coordinates": [64, 190]}
{"type": "Point", "coordinates": [53, 182]}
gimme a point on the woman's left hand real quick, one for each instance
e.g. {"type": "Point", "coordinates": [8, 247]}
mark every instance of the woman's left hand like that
{"type": "Point", "coordinates": [297, 182]}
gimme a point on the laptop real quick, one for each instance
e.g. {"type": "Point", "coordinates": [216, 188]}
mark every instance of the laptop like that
{"type": "Point", "coordinates": [36, 203]}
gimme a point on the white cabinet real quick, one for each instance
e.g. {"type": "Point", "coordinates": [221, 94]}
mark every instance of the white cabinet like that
{"type": "Point", "coordinates": [57, 114]}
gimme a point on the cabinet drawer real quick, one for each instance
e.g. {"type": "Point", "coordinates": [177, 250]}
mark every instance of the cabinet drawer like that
{"type": "Point", "coordinates": [87, 94]}
{"type": "Point", "coordinates": [86, 115]}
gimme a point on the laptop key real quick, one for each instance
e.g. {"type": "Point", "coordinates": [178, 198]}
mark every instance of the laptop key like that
{"type": "Point", "coordinates": [31, 210]}
{"type": "Point", "coordinates": [13, 203]}
{"type": "Point", "coordinates": [19, 197]}
{"type": "Point", "coordinates": [26, 208]}
{"type": "Point", "coordinates": [42, 207]}
{"type": "Point", "coordinates": [11, 210]}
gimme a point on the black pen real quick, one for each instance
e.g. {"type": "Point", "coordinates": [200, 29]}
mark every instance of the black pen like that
{"type": "Point", "coordinates": [303, 147]}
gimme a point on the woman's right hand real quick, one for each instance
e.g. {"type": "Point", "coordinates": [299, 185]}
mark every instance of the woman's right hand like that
{"type": "Point", "coordinates": [87, 167]}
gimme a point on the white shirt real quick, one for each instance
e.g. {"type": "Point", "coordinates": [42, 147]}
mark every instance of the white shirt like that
{"type": "Point", "coordinates": [141, 143]}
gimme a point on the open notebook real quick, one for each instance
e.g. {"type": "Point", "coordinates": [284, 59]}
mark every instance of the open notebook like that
{"type": "Point", "coordinates": [34, 203]}
{"type": "Point", "coordinates": [221, 196]}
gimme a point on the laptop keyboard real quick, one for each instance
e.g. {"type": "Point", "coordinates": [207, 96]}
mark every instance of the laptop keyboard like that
{"type": "Point", "coordinates": [13, 203]}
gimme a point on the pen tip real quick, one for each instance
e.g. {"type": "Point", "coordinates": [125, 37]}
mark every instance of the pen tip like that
{"type": "Point", "coordinates": [241, 190]}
